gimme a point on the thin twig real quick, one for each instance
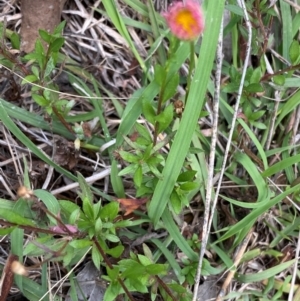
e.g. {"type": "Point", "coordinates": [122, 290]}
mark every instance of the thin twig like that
{"type": "Point", "coordinates": [89, 180]}
{"type": "Point", "coordinates": [209, 186]}
{"type": "Point", "coordinates": [206, 231]}
{"type": "Point", "coordinates": [234, 118]}
{"type": "Point", "coordinates": [239, 254]}
{"type": "Point", "coordinates": [291, 293]}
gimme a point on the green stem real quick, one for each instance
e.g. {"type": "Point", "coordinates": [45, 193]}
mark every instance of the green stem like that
{"type": "Point", "coordinates": [159, 108]}
{"type": "Point", "coordinates": [191, 68]}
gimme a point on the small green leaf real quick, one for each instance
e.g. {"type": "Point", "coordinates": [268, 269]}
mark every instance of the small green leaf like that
{"type": "Point", "coordinates": [171, 87]}
{"type": "Point", "coordinates": [14, 217]}
{"type": "Point", "coordinates": [86, 192]}
{"type": "Point", "coordinates": [50, 201]}
{"type": "Point", "coordinates": [59, 28]}
{"type": "Point", "coordinates": [98, 225]}
{"type": "Point", "coordinates": [186, 176]}
{"type": "Point", "coordinates": [259, 125]}
{"type": "Point", "coordinates": [138, 176]}
{"type": "Point", "coordinates": [5, 231]}
{"type": "Point", "coordinates": [294, 52]}
{"type": "Point", "coordinates": [157, 269]}
{"type": "Point", "coordinates": [49, 67]}
{"type": "Point", "coordinates": [40, 100]}
{"type": "Point", "coordinates": [165, 118]}
{"type": "Point", "coordinates": [129, 157]}
{"type": "Point", "coordinates": [175, 202]}
{"type": "Point", "coordinates": [80, 243]}
{"type": "Point", "coordinates": [112, 238]}
{"type": "Point", "coordinates": [256, 75]}
{"type": "Point", "coordinates": [148, 111]}
{"type": "Point", "coordinates": [128, 170]}
{"type": "Point", "coordinates": [15, 40]}
{"type": "Point", "coordinates": [109, 212]}
{"type": "Point", "coordinates": [159, 74]}
{"type": "Point", "coordinates": [189, 186]}
{"type": "Point", "coordinates": [142, 130]}
{"type": "Point", "coordinates": [29, 79]}
{"type": "Point", "coordinates": [45, 35]}
{"type": "Point", "coordinates": [56, 45]}
{"type": "Point", "coordinates": [254, 88]}
{"type": "Point", "coordinates": [74, 216]}
{"type": "Point", "coordinates": [279, 80]}
{"type": "Point", "coordinates": [35, 71]}
{"type": "Point", "coordinates": [96, 257]}
{"type": "Point", "coordinates": [256, 115]}
{"type": "Point", "coordinates": [115, 252]}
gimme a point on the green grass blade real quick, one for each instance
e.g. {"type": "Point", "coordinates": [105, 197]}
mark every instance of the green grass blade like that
{"type": "Point", "coordinates": [281, 165]}
{"type": "Point", "coordinates": [288, 107]}
{"type": "Point", "coordinates": [191, 114]}
{"type": "Point", "coordinates": [111, 9]}
{"type": "Point", "coordinates": [251, 135]}
{"type": "Point", "coordinates": [180, 241]}
{"type": "Point", "coordinates": [287, 28]}
{"type": "Point", "coordinates": [252, 216]}
{"type": "Point", "coordinates": [255, 175]}
{"type": "Point", "coordinates": [257, 277]}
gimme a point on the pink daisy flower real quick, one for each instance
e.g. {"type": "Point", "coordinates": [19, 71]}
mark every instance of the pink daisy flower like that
{"type": "Point", "coordinates": [185, 20]}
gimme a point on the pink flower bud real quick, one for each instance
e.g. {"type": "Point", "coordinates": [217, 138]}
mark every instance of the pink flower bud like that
{"type": "Point", "coordinates": [60, 230]}
{"type": "Point", "coordinates": [185, 20]}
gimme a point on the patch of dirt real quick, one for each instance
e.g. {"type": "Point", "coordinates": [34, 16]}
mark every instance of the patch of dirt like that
{"type": "Point", "coordinates": [38, 15]}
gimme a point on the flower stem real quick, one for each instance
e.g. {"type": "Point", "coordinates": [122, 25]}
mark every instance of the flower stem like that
{"type": "Point", "coordinates": [191, 68]}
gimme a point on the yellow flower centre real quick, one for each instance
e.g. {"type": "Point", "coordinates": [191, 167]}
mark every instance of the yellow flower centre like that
{"type": "Point", "coordinates": [186, 20]}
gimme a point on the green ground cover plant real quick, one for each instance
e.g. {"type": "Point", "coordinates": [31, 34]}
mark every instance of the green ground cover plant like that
{"type": "Point", "coordinates": [200, 180]}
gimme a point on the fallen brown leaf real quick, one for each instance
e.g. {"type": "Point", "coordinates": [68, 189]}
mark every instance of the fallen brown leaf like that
{"type": "Point", "coordinates": [129, 205]}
